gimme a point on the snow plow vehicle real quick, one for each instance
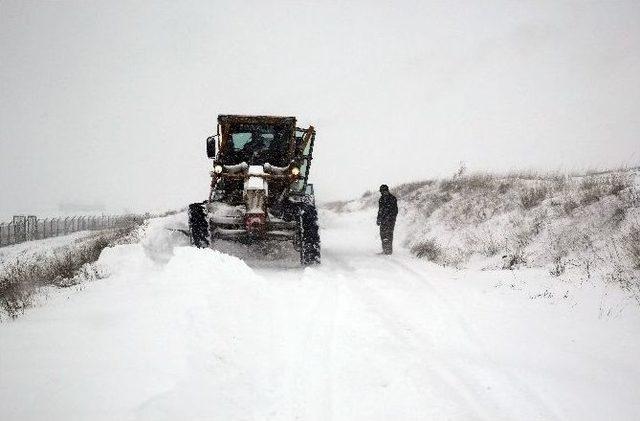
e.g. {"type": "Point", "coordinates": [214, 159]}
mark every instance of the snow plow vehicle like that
{"type": "Point", "coordinates": [260, 186]}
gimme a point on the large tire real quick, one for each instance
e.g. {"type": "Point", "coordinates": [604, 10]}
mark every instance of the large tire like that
{"type": "Point", "coordinates": [309, 235]}
{"type": "Point", "coordinates": [198, 226]}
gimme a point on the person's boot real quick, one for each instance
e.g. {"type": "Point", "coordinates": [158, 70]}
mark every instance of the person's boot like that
{"type": "Point", "coordinates": [386, 247]}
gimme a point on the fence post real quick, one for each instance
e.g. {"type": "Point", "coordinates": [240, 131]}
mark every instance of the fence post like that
{"type": "Point", "coordinates": [31, 228]}
{"type": "Point", "coordinates": [20, 228]}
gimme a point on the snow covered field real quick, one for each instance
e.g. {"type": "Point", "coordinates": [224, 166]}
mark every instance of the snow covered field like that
{"type": "Point", "coordinates": [181, 333]}
{"type": "Point", "coordinates": [47, 245]}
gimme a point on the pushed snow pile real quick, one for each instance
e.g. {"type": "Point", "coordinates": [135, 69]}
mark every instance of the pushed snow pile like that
{"type": "Point", "coordinates": [221, 312]}
{"type": "Point", "coordinates": [210, 264]}
{"type": "Point", "coordinates": [161, 235]}
{"type": "Point", "coordinates": [143, 342]}
{"type": "Point", "coordinates": [125, 259]}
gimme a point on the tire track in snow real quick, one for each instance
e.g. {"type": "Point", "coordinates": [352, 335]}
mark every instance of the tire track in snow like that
{"type": "Point", "coordinates": [417, 348]}
{"type": "Point", "coordinates": [446, 376]}
{"type": "Point", "coordinates": [528, 393]}
{"type": "Point", "coordinates": [307, 323]}
{"type": "Point", "coordinates": [447, 371]}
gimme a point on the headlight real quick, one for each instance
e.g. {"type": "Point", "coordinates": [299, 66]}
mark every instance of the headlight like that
{"type": "Point", "coordinates": [217, 169]}
{"type": "Point", "coordinates": [295, 171]}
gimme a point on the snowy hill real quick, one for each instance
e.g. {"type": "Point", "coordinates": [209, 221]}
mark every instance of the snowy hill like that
{"type": "Point", "coordinates": [578, 228]}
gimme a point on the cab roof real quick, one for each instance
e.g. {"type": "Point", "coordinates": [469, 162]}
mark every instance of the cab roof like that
{"type": "Point", "coordinates": [250, 119]}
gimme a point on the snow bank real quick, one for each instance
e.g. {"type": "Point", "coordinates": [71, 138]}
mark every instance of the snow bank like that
{"type": "Point", "coordinates": [577, 228]}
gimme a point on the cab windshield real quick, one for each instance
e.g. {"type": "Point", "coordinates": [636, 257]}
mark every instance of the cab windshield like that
{"type": "Point", "coordinates": [257, 144]}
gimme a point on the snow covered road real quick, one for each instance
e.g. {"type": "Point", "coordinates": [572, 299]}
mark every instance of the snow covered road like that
{"type": "Point", "coordinates": [180, 333]}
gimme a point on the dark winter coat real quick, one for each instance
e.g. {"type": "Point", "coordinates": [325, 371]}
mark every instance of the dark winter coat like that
{"type": "Point", "coordinates": [387, 209]}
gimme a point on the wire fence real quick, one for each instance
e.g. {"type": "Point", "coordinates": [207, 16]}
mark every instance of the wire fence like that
{"type": "Point", "coordinates": [29, 227]}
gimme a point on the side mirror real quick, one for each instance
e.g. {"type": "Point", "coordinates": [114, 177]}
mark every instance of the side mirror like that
{"type": "Point", "coordinates": [211, 147]}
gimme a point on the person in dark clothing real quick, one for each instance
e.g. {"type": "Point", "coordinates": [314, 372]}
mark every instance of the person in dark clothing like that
{"type": "Point", "coordinates": [387, 212]}
{"type": "Point", "coordinates": [252, 150]}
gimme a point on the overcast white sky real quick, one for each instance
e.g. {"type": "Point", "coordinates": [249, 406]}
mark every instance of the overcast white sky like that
{"type": "Point", "coordinates": [111, 100]}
